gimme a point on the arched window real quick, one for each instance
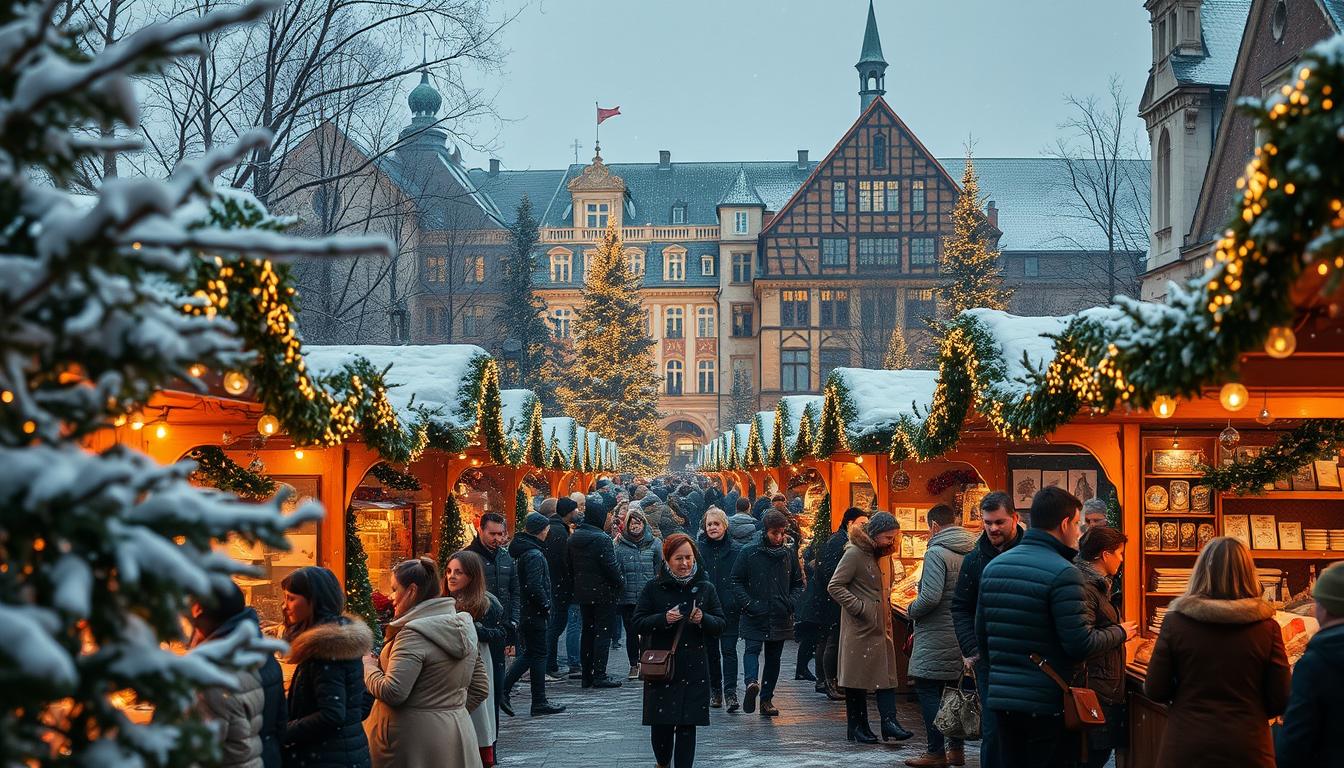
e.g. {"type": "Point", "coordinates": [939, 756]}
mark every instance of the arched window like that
{"type": "Point", "coordinates": [561, 265]}
{"type": "Point", "coordinates": [880, 152]}
{"type": "Point", "coordinates": [674, 264]}
{"type": "Point", "coordinates": [675, 372]}
{"type": "Point", "coordinates": [704, 373]}
{"type": "Point", "coordinates": [1163, 194]}
{"type": "Point", "coordinates": [675, 319]}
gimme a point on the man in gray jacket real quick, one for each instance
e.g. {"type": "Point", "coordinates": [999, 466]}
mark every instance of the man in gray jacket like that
{"type": "Point", "coordinates": [936, 658]}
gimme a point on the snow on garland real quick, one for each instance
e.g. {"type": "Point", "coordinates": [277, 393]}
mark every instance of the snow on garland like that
{"type": "Point", "coordinates": [393, 478]}
{"type": "Point", "coordinates": [216, 470]}
{"type": "Point", "coordinates": [1313, 439]}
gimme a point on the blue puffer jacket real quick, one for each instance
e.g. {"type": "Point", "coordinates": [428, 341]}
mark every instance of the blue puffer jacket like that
{"type": "Point", "coordinates": [638, 563]}
{"type": "Point", "coordinates": [1031, 601]}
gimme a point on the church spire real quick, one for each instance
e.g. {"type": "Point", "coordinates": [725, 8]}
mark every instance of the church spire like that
{"type": "Point", "coordinates": [872, 66]}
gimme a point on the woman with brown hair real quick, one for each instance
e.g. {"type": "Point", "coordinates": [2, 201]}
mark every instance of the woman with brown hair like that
{"type": "Point", "coordinates": [464, 581]}
{"type": "Point", "coordinates": [427, 678]}
{"type": "Point", "coordinates": [678, 611]}
{"type": "Point", "coordinates": [1221, 663]}
{"type": "Point", "coordinates": [1100, 554]}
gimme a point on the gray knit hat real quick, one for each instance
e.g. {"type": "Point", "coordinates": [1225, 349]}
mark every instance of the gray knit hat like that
{"type": "Point", "coordinates": [535, 523]}
{"type": "Point", "coordinates": [881, 522]}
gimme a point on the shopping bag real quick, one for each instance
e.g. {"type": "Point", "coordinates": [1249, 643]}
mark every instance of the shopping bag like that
{"type": "Point", "coordinates": [959, 712]}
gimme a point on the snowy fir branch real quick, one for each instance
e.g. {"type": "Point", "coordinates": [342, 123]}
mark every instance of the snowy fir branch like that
{"type": "Point", "coordinates": [393, 478]}
{"type": "Point", "coordinates": [217, 470]}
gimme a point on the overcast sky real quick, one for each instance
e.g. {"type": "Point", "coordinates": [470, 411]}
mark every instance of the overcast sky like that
{"type": "Point", "coordinates": [760, 79]}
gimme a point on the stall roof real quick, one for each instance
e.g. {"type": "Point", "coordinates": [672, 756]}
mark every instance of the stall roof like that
{"type": "Point", "coordinates": [880, 398]}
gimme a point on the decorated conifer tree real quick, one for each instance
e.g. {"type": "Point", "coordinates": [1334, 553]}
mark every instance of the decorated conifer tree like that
{"type": "Point", "coordinates": [358, 587]}
{"type": "Point", "coordinates": [521, 319]}
{"type": "Point", "coordinates": [821, 524]}
{"type": "Point", "coordinates": [898, 356]}
{"type": "Point", "coordinates": [968, 262]}
{"type": "Point", "coordinates": [520, 510]}
{"type": "Point", "coordinates": [104, 550]}
{"type": "Point", "coordinates": [613, 388]}
{"type": "Point", "coordinates": [453, 533]}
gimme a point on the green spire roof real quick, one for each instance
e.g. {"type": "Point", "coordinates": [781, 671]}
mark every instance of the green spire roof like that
{"type": "Point", "coordinates": [872, 44]}
{"type": "Point", "coordinates": [741, 193]}
{"type": "Point", "coordinates": [424, 100]}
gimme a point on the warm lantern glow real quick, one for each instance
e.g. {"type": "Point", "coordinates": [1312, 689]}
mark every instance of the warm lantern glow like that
{"type": "Point", "coordinates": [197, 370]}
{"type": "Point", "coordinates": [1281, 342]}
{"type": "Point", "coordinates": [298, 453]}
{"type": "Point", "coordinates": [161, 431]}
{"type": "Point", "coordinates": [268, 425]}
{"type": "Point", "coordinates": [858, 459]}
{"type": "Point", "coordinates": [461, 455]}
{"type": "Point", "coordinates": [138, 420]}
{"type": "Point", "coordinates": [235, 383]}
{"type": "Point", "coordinates": [1164, 407]}
{"type": "Point", "coordinates": [1233, 396]}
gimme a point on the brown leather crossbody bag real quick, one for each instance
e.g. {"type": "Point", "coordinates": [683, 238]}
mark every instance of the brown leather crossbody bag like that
{"type": "Point", "coordinates": [659, 666]}
{"type": "Point", "coordinates": [1082, 708]}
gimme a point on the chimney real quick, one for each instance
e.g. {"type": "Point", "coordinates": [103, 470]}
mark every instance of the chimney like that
{"type": "Point", "coordinates": [802, 159]}
{"type": "Point", "coordinates": [664, 159]}
{"type": "Point", "coordinates": [494, 166]}
{"type": "Point", "coordinates": [992, 213]}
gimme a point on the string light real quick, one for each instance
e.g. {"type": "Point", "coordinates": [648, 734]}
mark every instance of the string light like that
{"type": "Point", "coordinates": [1164, 407]}
{"type": "Point", "coordinates": [268, 425]}
{"type": "Point", "coordinates": [298, 453]}
{"type": "Point", "coordinates": [1281, 342]}
{"type": "Point", "coordinates": [235, 383]}
{"type": "Point", "coordinates": [1233, 396]}
{"type": "Point", "coordinates": [6, 397]}
{"type": "Point", "coordinates": [197, 370]}
{"type": "Point", "coordinates": [138, 420]}
{"type": "Point", "coordinates": [161, 431]}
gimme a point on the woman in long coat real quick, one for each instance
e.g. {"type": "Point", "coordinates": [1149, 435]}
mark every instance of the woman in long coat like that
{"type": "Point", "coordinates": [464, 581]}
{"type": "Point", "coordinates": [861, 587]}
{"type": "Point", "coordinates": [326, 693]}
{"type": "Point", "coordinates": [681, 598]}
{"type": "Point", "coordinates": [427, 678]}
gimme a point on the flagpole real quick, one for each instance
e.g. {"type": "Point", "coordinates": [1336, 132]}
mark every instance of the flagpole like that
{"type": "Point", "coordinates": [597, 131]}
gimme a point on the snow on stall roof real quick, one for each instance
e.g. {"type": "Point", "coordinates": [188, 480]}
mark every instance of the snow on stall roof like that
{"type": "Point", "coordinates": [430, 377]}
{"type": "Point", "coordinates": [563, 427]}
{"type": "Point", "coordinates": [766, 425]}
{"type": "Point", "coordinates": [797, 404]}
{"type": "Point", "coordinates": [881, 397]}
{"type": "Point", "coordinates": [580, 440]}
{"type": "Point", "coordinates": [516, 411]}
{"type": "Point", "coordinates": [743, 432]}
{"type": "Point", "coordinates": [1016, 336]}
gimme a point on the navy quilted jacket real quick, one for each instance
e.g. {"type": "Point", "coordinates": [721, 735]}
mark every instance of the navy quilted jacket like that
{"type": "Point", "coordinates": [1031, 601]}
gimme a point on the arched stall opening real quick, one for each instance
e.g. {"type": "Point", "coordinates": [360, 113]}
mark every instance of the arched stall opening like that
{"type": "Point", "coordinates": [684, 438]}
{"type": "Point", "coordinates": [393, 518]}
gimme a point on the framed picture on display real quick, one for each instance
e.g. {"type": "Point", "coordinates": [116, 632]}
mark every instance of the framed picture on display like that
{"type": "Point", "coordinates": [1026, 482]}
{"type": "Point", "coordinates": [861, 495]}
{"type": "Point", "coordinates": [1304, 479]}
{"type": "Point", "coordinates": [1083, 483]}
{"type": "Point", "coordinates": [1059, 478]}
{"type": "Point", "coordinates": [1327, 475]}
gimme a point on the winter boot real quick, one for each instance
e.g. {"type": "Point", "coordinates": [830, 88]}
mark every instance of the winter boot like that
{"type": "Point", "coordinates": [731, 700]}
{"type": "Point", "coordinates": [768, 708]}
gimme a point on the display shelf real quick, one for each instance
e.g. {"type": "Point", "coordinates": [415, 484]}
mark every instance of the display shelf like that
{"type": "Point", "coordinates": [1181, 515]}
{"type": "Point", "coordinates": [1297, 554]}
{"type": "Point", "coordinates": [1287, 495]}
{"type": "Point", "coordinates": [1150, 476]}
{"type": "Point", "coordinates": [1159, 553]}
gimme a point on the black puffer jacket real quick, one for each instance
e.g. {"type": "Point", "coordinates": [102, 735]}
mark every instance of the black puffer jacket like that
{"type": "Point", "coordinates": [556, 548]}
{"type": "Point", "coordinates": [967, 596]}
{"type": "Point", "coordinates": [534, 577]}
{"type": "Point", "coordinates": [592, 562]}
{"type": "Point", "coordinates": [327, 697]}
{"type": "Point", "coordinates": [1105, 670]}
{"type": "Point", "coordinates": [766, 582]}
{"type": "Point", "coordinates": [501, 578]}
{"type": "Point", "coordinates": [718, 558]}
{"type": "Point", "coordinates": [827, 612]}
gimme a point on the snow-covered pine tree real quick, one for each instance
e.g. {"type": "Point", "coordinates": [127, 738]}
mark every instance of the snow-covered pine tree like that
{"type": "Point", "coordinates": [520, 319]}
{"type": "Point", "coordinates": [101, 549]}
{"type": "Point", "coordinates": [613, 388]}
{"type": "Point", "coordinates": [741, 400]}
{"type": "Point", "coordinates": [968, 262]}
{"type": "Point", "coordinates": [898, 355]}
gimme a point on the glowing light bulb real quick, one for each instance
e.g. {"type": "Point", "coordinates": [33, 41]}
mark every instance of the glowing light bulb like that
{"type": "Point", "coordinates": [235, 383]}
{"type": "Point", "coordinates": [138, 420]}
{"type": "Point", "coordinates": [1233, 396]}
{"type": "Point", "coordinates": [161, 431]}
{"type": "Point", "coordinates": [1281, 342]}
{"type": "Point", "coordinates": [197, 370]}
{"type": "Point", "coordinates": [858, 460]}
{"type": "Point", "coordinates": [268, 425]}
{"type": "Point", "coordinates": [1164, 407]}
{"type": "Point", "coordinates": [461, 455]}
{"type": "Point", "coordinates": [298, 453]}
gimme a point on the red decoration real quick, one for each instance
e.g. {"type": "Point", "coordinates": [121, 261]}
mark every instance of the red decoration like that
{"type": "Point", "coordinates": [604, 112]}
{"type": "Point", "coordinates": [952, 477]}
{"type": "Point", "coordinates": [381, 602]}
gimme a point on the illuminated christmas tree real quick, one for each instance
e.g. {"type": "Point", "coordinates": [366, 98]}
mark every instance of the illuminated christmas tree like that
{"type": "Point", "coordinates": [613, 387]}
{"type": "Point", "coordinates": [898, 356]}
{"type": "Point", "coordinates": [358, 587]}
{"type": "Point", "coordinates": [453, 533]}
{"type": "Point", "coordinates": [970, 264]}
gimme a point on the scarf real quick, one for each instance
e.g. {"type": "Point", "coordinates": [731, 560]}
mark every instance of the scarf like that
{"type": "Point", "coordinates": [1090, 573]}
{"type": "Point", "coordinates": [695, 568]}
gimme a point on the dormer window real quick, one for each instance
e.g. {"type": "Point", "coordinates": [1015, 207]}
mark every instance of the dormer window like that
{"type": "Point", "coordinates": [679, 213]}
{"type": "Point", "coordinates": [598, 214]}
{"type": "Point", "coordinates": [741, 222]}
{"type": "Point", "coordinates": [674, 264]}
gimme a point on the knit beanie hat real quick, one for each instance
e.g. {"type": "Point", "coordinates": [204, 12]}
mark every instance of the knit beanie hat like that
{"type": "Point", "coordinates": [1329, 589]}
{"type": "Point", "coordinates": [881, 522]}
{"type": "Point", "coordinates": [535, 523]}
{"type": "Point", "coordinates": [564, 507]}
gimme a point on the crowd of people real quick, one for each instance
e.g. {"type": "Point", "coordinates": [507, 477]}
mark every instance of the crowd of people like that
{"type": "Point", "coordinates": [1018, 614]}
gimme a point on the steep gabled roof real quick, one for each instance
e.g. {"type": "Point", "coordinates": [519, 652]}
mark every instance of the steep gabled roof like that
{"type": "Point", "coordinates": [741, 193]}
{"type": "Point", "coordinates": [1221, 25]}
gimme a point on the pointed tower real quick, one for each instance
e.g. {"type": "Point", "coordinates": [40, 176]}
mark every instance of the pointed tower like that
{"type": "Point", "coordinates": [872, 67]}
{"type": "Point", "coordinates": [423, 131]}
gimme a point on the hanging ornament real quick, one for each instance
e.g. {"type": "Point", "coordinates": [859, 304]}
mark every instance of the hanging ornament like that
{"type": "Point", "coordinates": [900, 479]}
{"type": "Point", "coordinates": [268, 424]}
{"type": "Point", "coordinates": [1281, 342]}
{"type": "Point", "coordinates": [1233, 396]}
{"type": "Point", "coordinates": [1265, 418]}
{"type": "Point", "coordinates": [1230, 437]}
{"type": "Point", "coordinates": [235, 383]}
{"type": "Point", "coordinates": [256, 466]}
{"type": "Point", "coordinates": [1164, 407]}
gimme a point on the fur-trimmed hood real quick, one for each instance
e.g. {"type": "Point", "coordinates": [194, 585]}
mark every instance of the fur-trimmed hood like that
{"type": "Point", "coordinates": [341, 640]}
{"type": "Point", "coordinates": [1247, 610]}
{"type": "Point", "coordinates": [859, 539]}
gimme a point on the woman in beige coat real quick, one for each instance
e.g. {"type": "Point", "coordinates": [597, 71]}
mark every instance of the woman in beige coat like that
{"type": "Point", "coordinates": [861, 587]}
{"type": "Point", "coordinates": [427, 679]}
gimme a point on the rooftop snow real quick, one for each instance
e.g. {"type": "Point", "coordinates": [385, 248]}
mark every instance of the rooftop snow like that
{"type": "Point", "coordinates": [882, 397]}
{"type": "Point", "coordinates": [1016, 336]}
{"type": "Point", "coordinates": [431, 377]}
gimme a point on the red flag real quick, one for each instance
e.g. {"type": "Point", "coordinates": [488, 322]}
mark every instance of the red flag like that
{"type": "Point", "coordinates": [603, 114]}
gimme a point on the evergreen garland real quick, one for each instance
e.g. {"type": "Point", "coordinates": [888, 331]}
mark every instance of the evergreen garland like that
{"type": "Point", "coordinates": [821, 523]}
{"type": "Point", "coordinates": [358, 588]}
{"type": "Point", "coordinates": [836, 410]}
{"type": "Point", "coordinates": [779, 453]}
{"type": "Point", "coordinates": [534, 452]}
{"type": "Point", "coordinates": [753, 456]}
{"type": "Point", "coordinates": [453, 533]}
{"type": "Point", "coordinates": [898, 355]}
{"type": "Point", "coordinates": [1314, 439]}
{"type": "Point", "coordinates": [802, 444]}
{"type": "Point", "coordinates": [520, 510]}
{"type": "Point", "coordinates": [217, 470]}
{"type": "Point", "coordinates": [393, 478]}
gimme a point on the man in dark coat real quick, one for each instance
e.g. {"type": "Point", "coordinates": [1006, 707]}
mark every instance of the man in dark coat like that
{"type": "Point", "coordinates": [767, 579]}
{"type": "Point", "coordinates": [501, 579]}
{"type": "Point", "coordinates": [1310, 737]}
{"type": "Point", "coordinates": [1003, 530]}
{"type": "Point", "coordinates": [597, 580]}
{"type": "Point", "coordinates": [563, 513]}
{"type": "Point", "coordinates": [535, 594]}
{"type": "Point", "coordinates": [826, 609]}
{"type": "Point", "coordinates": [1031, 602]}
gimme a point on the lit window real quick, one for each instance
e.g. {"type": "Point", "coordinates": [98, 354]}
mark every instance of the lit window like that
{"type": "Point", "coordinates": [838, 202]}
{"type": "Point", "coordinates": [795, 370]}
{"type": "Point", "coordinates": [741, 267]}
{"type": "Point", "coordinates": [835, 252]}
{"type": "Point", "coordinates": [436, 269]}
{"type": "Point", "coordinates": [923, 254]}
{"type": "Point", "coordinates": [598, 214]}
{"type": "Point", "coordinates": [879, 196]}
{"type": "Point", "coordinates": [561, 262]}
{"type": "Point", "coordinates": [917, 196]}
{"type": "Point", "coordinates": [742, 320]}
{"type": "Point", "coordinates": [476, 269]}
{"type": "Point", "coordinates": [893, 196]}
{"type": "Point", "coordinates": [675, 371]}
{"type": "Point", "coordinates": [793, 309]}
{"type": "Point", "coordinates": [704, 323]}
{"type": "Point", "coordinates": [741, 222]}
{"type": "Point", "coordinates": [562, 322]}
{"type": "Point", "coordinates": [674, 264]}
{"type": "Point", "coordinates": [834, 308]}
{"type": "Point", "coordinates": [707, 265]}
{"type": "Point", "coordinates": [673, 321]}
{"type": "Point", "coordinates": [704, 374]}
{"type": "Point", "coordinates": [919, 306]}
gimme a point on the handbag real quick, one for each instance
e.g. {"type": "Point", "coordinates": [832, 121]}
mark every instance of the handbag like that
{"type": "Point", "coordinates": [1082, 708]}
{"type": "Point", "coordinates": [659, 666]}
{"type": "Point", "coordinates": [959, 712]}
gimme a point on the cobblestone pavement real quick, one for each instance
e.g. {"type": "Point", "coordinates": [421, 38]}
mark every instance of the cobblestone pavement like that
{"type": "Point", "coordinates": [602, 728]}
